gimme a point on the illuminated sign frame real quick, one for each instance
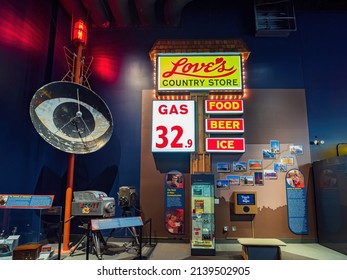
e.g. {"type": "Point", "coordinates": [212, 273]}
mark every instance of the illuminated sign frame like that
{"type": "Point", "coordinates": [199, 72]}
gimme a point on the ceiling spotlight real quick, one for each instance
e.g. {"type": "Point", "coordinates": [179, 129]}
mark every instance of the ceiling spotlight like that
{"type": "Point", "coordinates": [318, 142]}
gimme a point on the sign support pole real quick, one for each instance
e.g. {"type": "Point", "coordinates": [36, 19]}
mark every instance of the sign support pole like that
{"type": "Point", "coordinates": [71, 162]}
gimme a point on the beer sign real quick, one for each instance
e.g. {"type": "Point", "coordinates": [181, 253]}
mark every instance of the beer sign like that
{"type": "Point", "coordinates": [226, 125]}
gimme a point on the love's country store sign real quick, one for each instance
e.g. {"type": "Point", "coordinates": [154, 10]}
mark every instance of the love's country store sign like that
{"type": "Point", "coordinates": [194, 72]}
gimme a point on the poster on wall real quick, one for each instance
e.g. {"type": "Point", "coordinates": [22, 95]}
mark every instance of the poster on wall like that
{"type": "Point", "coordinates": [222, 184]}
{"type": "Point", "coordinates": [296, 201]}
{"type": "Point", "coordinates": [258, 178]}
{"type": "Point", "coordinates": [174, 202]}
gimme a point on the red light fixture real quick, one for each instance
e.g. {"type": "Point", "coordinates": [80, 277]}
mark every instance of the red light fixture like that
{"type": "Point", "coordinates": [79, 35]}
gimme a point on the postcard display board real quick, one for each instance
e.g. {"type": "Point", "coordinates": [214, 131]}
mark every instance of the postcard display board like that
{"type": "Point", "coordinates": [202, 204]}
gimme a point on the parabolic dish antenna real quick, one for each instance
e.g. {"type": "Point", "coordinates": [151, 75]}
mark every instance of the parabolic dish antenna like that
{"type": "Point", "coordinates": [71, 117]}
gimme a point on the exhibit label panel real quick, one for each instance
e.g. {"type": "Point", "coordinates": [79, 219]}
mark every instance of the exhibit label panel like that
{"type": "Point", "coordinates": [26, 201]}
{"type": "Point", "coordinates": [296, 201]}
{"type": "Point", "coordinates": [174, 202]}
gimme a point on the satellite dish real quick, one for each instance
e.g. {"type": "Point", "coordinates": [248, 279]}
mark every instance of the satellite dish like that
{"type": "Point", "coordinates": [71, 117]}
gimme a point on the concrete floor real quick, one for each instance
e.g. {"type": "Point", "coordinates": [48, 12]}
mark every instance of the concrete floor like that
{"type": "Point", "coordinates": [179, 251]}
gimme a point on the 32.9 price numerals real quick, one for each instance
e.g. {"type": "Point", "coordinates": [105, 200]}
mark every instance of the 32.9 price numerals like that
{"type": "Point", "coordinates": [176, 141]}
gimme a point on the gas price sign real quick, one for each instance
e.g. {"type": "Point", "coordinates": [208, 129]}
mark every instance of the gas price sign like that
{"type": "Point", "coordinates": [173, 126]}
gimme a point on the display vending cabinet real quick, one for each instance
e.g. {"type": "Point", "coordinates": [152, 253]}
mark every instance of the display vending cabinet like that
{"type": "Point", "coordinates": [202, 215]}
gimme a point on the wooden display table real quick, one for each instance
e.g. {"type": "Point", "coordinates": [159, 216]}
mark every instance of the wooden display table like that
{"type": "Point", "coordinates": [261, 248]}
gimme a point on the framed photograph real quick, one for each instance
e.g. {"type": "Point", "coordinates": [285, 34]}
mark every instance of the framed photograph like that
{"type": "Point", "coordinates": [239, 166]}
{"type": "Point", "coordinates": [222, 184]}
{"type": "Point", "coordinates": [174, 179]}
{"type": "Point", "coordinates": [289, 160]}
{"type": "Point", "coordinates": [258, 178]}
{"type": "Point", "coordinates": [275, 146]}
{"type": "Point", "coordinates": [270, 174]}
{"type": "Point", "coordinates": [233, 179]}
{"type": "Point", "coordinates": [255, 164]}
{"type": "Point", "coordinates": [296, 149]}
{"type": "Point", "coordinates": [295, 178]}
{"type": "Point", "coordinates": [247, 180]}
{"type": "Point", "coordinates": [267, 154]}
{"type": "Point", "coordinates": [223, 167]}
{"type": "Point", "coordinates": [280, 167]}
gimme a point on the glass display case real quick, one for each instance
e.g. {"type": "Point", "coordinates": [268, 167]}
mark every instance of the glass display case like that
{"type": "Point", "coordinates": [202, 214]}
{"type": "Point", "coordinates": [19, 226]}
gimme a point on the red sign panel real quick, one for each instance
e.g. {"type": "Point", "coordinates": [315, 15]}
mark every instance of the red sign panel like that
{"type": "Point", "coordinates": [224, 106]}
{"type": "Point", "coordinates": [224, 125]}
{"type": "Point", "coordinates": [225, 145]}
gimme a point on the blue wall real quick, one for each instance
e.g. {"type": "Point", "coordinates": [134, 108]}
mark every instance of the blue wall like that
{"type": "Point", "coordinates": [313, 58]}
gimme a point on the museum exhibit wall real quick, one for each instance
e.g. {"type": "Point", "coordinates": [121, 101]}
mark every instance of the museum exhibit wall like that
{"type": "Point", "coordinates": [310, 60]}
{"type": "Point", "coordinates": [268, 114]}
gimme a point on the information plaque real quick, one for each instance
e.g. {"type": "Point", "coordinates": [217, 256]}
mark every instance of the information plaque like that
{"type": "Point", "coordinates": [100, 224]}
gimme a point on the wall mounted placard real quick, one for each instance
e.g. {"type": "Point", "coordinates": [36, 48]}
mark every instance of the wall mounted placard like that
{"type": "Point", "coordinates": [174, 202]}
{"type": "Point", "coordinates": [26, 201]}
{"type": "Point", "coordinates": [296, 201]}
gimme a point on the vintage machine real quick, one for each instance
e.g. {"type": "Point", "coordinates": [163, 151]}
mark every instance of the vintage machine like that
{"type": "Point", "coordinates": [93, 203]}
{"type": "Point", "coordinates": [126, 196]}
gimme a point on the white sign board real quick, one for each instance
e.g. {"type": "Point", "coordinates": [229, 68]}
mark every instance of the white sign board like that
{"type": "Point", "coordinates": [173, 126]}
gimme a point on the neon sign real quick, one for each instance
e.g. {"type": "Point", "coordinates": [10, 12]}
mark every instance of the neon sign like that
{"type": "Point", "coordinates": [193, 72]}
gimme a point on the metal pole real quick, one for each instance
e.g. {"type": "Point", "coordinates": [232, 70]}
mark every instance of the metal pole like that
{"type": "Point", "coordinates": [71, 162]}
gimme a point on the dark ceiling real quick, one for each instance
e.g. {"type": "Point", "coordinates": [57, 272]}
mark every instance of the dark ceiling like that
{"type": "Point", "coordinates": [320, 5]}
{"type": "Point", "coordinates": [126, 13]}
{"type": "Point", "coordinates": [144, 13]}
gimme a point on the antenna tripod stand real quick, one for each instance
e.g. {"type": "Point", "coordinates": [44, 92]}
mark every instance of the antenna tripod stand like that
{"type": "Point", "coordinates": [127, 213]}
{"type": "Point", "coordinates": [93, 237]}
